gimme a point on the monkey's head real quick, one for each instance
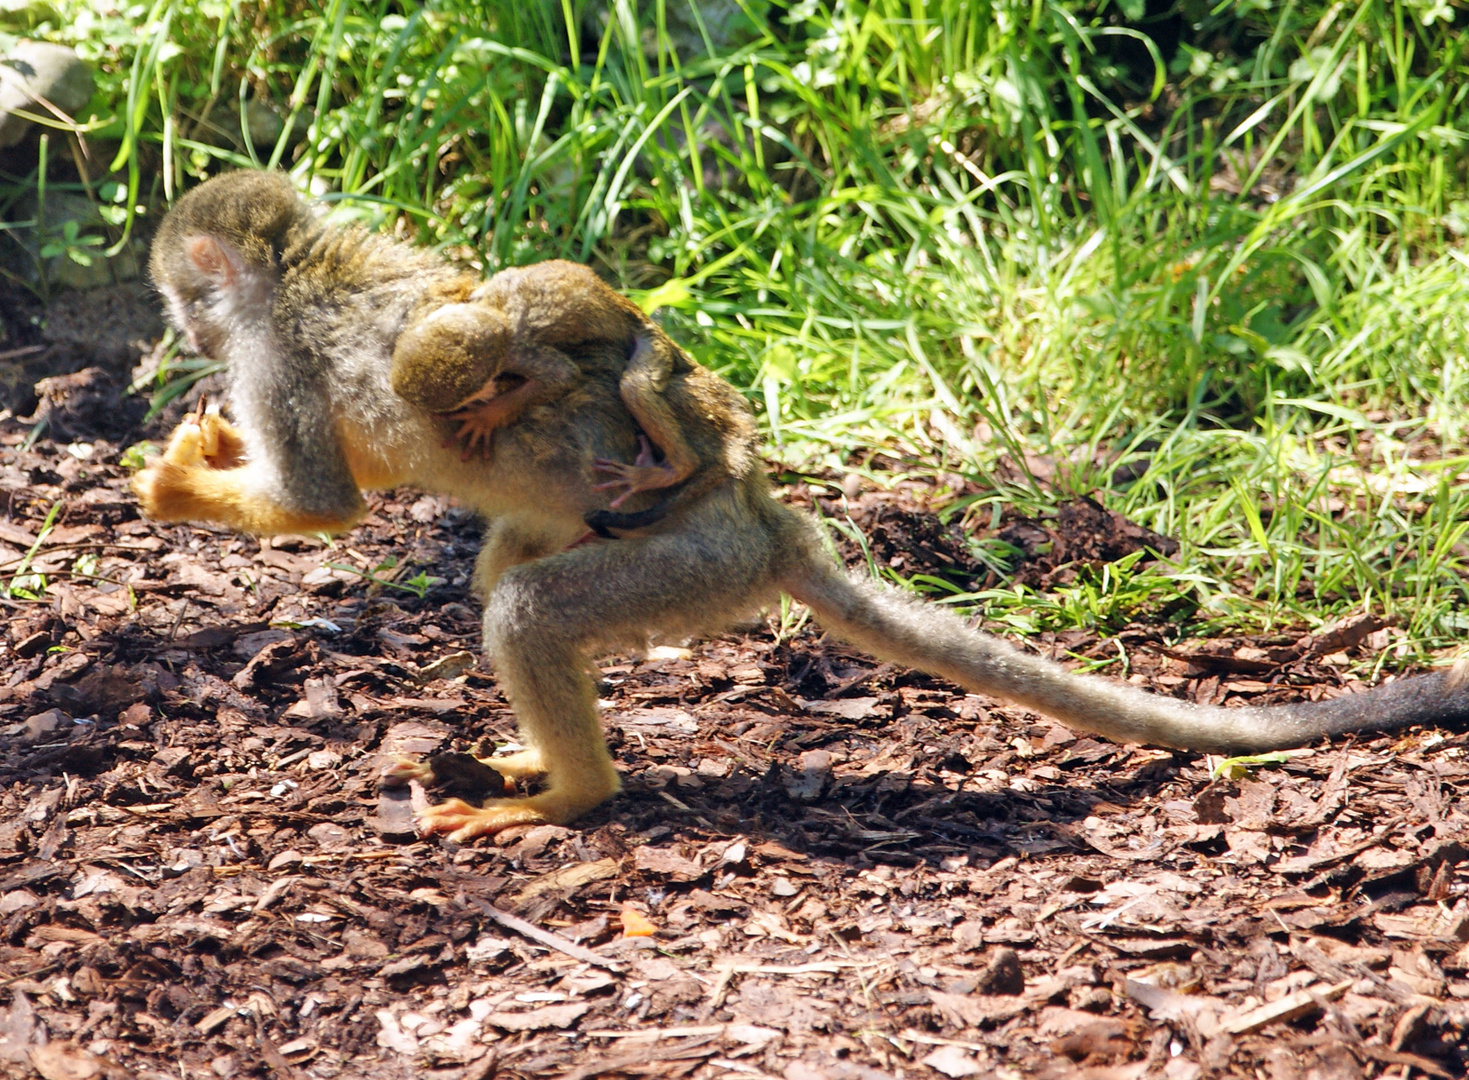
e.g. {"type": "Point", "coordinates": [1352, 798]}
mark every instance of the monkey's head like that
{"type": "Point", "coordinates": [444, 359]}
{"type": "Point", "coordinates": [219, 248]}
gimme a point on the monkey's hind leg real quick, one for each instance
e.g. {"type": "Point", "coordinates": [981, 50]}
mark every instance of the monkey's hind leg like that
{"type": "Point", "coordinates": [556, 701]}
{"type": "Point", "coordinates": [545, 619]}
{"type": "Point", "coordinates": [644, 390]}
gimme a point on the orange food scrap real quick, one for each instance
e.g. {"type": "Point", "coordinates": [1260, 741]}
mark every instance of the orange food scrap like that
{"type": "Point", "coordinates": [635, 923]}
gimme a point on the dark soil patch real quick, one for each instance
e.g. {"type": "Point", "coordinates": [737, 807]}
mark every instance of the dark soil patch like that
{"type": "Point", "coordinates": [102, 330]}
{"type": "Point", "coordinates": [851, 870]}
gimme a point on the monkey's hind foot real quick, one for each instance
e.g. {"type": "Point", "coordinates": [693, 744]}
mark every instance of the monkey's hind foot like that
{"type": "Point", "coordinates": [461, 822]}
{"type": "Point", "coordinates": [645, 473]}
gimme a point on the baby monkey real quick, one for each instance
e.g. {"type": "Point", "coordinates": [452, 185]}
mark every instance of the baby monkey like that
{"type": "Point", "coordinates": [485, 361]}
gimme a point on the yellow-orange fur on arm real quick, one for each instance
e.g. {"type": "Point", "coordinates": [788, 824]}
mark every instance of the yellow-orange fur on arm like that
{"type": "Point", "coordinates": [170, 492]}
{"type": "Point", "coordinates": [199, 478]}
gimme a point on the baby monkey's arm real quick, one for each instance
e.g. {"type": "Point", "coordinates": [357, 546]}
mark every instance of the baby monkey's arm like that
{"type": "Point", "coordinates": [528, 377]}
{"type": "Point", "coordinates": [644, 388]}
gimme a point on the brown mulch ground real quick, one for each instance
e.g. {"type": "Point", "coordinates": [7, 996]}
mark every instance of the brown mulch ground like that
{"type": "Point", "coordinates": [851, 871]}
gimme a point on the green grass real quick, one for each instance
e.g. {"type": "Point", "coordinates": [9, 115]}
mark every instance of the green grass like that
{"type": "Point", "coordinates": [1234, 262]}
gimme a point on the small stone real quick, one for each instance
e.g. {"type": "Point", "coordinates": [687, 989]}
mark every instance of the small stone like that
{"type": "Point", "coordinates": [361, 945]}
{"type": "Point", "coordinates": [782, 886]}
{"type": "Point", "coordinates": [39, 69]}
{"type": "Point", "coordinates": [46, 725]}
{"type": "Point", "coordinates": [330, 836]}
{"type": "Point", "coordinates": [812, 777]}
{"type": "Point", "coordinates": [289, 857]}
{"type": "Point", "coordinates": [952, 1061]}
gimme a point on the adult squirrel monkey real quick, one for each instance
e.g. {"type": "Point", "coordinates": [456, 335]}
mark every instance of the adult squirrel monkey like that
{"type": "Point", "coordinates": [308, 318]}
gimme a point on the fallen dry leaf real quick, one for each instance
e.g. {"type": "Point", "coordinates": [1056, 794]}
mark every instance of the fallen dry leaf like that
{"type": "Point", "coordinates": [635, 923]}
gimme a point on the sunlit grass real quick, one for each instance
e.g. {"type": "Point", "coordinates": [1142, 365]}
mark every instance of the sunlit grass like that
{"type": "Point", "coordinates": [969, 234]}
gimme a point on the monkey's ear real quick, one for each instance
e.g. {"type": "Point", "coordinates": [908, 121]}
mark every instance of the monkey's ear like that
{"type": "Point", "coordinates": [215, 259]}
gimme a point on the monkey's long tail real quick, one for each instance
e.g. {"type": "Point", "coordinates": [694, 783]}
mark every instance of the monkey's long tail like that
{"type": "Point", "coordinates": [894, 627]}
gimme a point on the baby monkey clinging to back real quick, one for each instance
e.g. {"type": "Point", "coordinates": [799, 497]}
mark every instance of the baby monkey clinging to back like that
{"type": "Point", "coordinates": [485, 361]}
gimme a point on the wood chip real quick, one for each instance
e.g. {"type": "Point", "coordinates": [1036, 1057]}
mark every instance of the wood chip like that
{"type": "Point", "coordinates": [540, 1018]}
{"type": "Point", "coordinates": [1287, 1008]}
{"type": "Point", "coordinates": [207, 1023]}
{"type": "Point", "coordinates": [566, 879]}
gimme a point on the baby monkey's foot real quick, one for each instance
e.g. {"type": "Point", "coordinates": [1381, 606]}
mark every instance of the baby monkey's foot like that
{"type": "Point", "coordinates": [646, 473]}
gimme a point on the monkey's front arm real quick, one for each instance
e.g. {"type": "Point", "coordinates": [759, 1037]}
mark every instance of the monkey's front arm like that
{"type": "Point", "coordinates": [204, 475]}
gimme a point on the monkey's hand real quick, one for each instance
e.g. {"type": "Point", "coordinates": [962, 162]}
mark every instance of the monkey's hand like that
{"type": "Point", "coordinates": [168, 491]}
{"type": "Point", "coordinates": [207, 441]}
{"type": "Point", "coordinates": [479, 419]}
{"type": "Point", "coordinates": [169, 487]}
{"type": "Point", "coordinates": [476, 427]}
{"type": "Point", "coordinates": [646, 473]}
{"type": "Point", "coordinates": [222, 445]}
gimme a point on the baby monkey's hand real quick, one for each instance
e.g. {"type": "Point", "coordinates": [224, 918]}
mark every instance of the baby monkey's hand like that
{"type": "Point", "coordinates": [476, 430]}
{"type": "Point", "coordinates": [646, 473]}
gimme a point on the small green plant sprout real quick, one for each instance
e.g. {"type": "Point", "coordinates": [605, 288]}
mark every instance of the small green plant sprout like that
{"type": "Point", "coordinates": [136, 456]}
{"type": "Point", "coordinates": [70, 241]}
{"type": "Point", "coordinates": [1237, 768]}
{"type": "Point", "coordinates": [383, 573]}
{"type": "Point", "coordinates": [173, 378]}
{"type": "Point", "coordinates": [24, 585]}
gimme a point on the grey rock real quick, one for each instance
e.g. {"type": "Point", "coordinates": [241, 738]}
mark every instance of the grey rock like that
{"type": "Point", "coordinates": [728, 23]}
{"type": "Point", "coordinates": [21, 15]}
{"type": "Point", "coordinates": [36, 70]}
{"type": "Point", "coordinates": [68, 213]}
{"type": "Point", "coordinates": [110, 326]}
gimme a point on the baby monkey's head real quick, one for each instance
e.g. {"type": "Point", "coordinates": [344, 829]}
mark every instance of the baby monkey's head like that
{"type": "Point", "coordinates": [451, 356]}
